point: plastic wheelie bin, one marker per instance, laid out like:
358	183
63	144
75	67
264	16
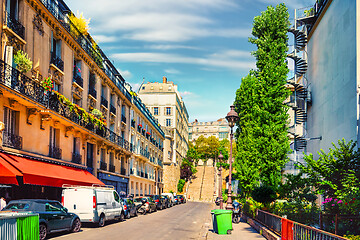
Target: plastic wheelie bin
222	223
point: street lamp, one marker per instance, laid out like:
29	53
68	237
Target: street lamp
232	117
221	157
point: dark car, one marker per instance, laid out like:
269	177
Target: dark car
53	217
167	201
181	198
176	200
129	207
160	202
149	204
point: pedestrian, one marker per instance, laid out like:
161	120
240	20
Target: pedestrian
2	203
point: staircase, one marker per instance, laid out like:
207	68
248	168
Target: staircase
201	188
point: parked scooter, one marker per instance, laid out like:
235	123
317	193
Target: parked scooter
236	212
142	208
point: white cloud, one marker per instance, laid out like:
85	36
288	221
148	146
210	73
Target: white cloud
175	58
295	4
172	71
185	93
170	47
125	74
104	39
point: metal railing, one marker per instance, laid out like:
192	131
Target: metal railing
123	171
55	152
12	140
92	92
76	158
104	102
78	79
270	220
111	168
15	25
103	166
56	60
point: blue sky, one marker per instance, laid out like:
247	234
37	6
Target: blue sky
200	45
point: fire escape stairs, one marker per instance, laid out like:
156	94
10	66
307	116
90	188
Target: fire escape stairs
300	64
300	38
299	88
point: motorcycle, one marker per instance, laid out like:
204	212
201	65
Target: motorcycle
236	212
142	209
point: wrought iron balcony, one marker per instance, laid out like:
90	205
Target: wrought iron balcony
112	109
15	25
92	92
55	152
123	118
12	140
111	168
103	166
142	174
56	60
123	171
104	102
78	79
133	123
76	158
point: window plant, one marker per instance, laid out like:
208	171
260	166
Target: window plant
22	61
47	83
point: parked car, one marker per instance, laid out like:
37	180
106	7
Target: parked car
176	200
129	207
140	205
171	196
95	204
168	203
53	217
181	198
148	202
160	202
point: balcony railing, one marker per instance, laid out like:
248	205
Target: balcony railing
103	166
104	102
15	25
111	168
142	174
55	152
92	92
12	140
123	118
76	158
123	171
146	175
22	84
133	123
132	171
56	60
78	79
112	109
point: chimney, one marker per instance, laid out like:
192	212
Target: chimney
164	79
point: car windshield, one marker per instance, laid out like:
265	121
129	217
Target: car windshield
137	200
17	206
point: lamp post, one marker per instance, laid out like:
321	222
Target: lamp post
232	117
221	157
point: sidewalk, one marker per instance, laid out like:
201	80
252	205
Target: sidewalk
241	231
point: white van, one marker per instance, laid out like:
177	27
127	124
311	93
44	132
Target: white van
95	204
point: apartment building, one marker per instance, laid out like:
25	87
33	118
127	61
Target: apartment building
67	119
165	103
326	92
219	129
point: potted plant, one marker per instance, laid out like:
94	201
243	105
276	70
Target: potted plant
97	113
47	83
22	61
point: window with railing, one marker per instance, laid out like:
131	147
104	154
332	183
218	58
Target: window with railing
12	18
77	73
92	85
11	136
54	149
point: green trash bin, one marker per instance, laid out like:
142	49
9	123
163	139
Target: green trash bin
222	219
215	229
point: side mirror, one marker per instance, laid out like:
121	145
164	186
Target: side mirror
65	210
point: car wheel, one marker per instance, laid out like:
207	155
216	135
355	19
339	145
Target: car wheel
122	217
136	214
42	231
102	220
76	226
155	209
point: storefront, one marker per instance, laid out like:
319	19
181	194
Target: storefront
31	177
120	184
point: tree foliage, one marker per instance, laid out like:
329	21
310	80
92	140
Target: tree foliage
337	173
262	141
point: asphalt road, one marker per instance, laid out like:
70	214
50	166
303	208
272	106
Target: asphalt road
183	221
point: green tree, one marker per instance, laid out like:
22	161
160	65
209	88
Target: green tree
337	173
262	141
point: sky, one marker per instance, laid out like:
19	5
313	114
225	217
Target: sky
200	45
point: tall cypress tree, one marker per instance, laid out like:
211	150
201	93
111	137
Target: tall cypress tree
262	137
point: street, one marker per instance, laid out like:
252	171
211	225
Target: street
179	222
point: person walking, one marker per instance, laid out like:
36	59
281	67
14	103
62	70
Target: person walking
2	203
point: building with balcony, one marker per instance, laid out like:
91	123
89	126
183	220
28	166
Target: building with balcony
219	129
165	103
75	130
326	82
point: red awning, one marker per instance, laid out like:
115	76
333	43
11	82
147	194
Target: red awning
48	174
8	173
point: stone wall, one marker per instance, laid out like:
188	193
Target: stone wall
171	177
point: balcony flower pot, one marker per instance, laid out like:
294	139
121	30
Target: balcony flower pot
22	61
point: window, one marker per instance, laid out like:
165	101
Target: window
53	207
54	137
168	111
223	135
77	68
156	111
116	196
56	47
76	145
102	155
12	9
11	121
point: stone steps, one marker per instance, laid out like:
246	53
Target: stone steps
202	187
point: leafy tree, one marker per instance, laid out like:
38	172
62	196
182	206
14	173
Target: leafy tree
187	169
262	138
297	189
337	173
264	194
207	147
